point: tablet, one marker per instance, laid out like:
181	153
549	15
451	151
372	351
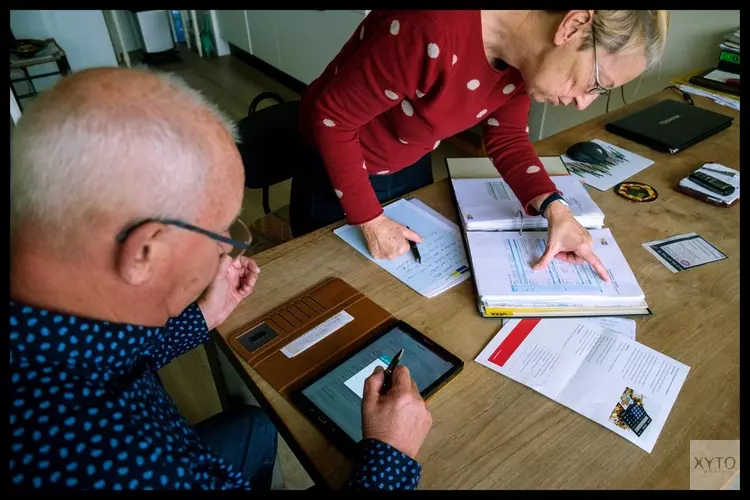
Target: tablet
333	399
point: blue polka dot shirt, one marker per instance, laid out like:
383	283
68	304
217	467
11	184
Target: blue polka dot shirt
87	410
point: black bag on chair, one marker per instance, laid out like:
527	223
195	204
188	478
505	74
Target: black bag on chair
271	143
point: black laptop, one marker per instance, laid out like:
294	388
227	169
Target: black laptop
670	126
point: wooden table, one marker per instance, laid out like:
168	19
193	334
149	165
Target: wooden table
490	432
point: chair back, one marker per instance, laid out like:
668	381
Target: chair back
271	141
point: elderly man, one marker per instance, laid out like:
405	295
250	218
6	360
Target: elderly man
125	251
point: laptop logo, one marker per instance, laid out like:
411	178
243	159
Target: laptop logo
669	120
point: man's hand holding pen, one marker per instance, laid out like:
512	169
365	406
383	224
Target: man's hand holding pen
397	416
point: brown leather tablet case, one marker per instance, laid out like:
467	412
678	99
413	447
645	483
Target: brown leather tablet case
262	342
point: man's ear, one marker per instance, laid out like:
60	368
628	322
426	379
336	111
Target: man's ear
141	254
573	26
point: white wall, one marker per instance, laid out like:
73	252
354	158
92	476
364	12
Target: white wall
299	42
233	28
81	33
15	111
131	38
692	45
221	46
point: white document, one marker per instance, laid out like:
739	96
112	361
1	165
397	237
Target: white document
717	98
323	330
444	262
591	370
732	177
683	252
619	166
356	383
721	76
490	205
502	263
623	326
432	213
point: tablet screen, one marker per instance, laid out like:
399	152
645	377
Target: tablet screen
338	394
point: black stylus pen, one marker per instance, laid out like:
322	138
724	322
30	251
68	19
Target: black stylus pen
389	372
414	249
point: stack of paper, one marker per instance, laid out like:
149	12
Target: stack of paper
602	374
507	286
444	263
721	99
490	205
726	174
732	42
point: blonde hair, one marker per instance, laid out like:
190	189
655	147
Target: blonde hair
615	30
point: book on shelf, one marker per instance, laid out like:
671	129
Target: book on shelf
733	38
729	56
728	66
731	42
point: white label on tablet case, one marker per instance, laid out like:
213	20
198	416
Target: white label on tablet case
317	334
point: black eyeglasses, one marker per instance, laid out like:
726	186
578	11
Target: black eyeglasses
240	239
599	89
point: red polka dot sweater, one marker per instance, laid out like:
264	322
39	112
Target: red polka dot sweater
404	81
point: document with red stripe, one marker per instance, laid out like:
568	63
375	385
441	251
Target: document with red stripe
596	370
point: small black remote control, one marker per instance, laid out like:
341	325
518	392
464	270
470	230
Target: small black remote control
712	183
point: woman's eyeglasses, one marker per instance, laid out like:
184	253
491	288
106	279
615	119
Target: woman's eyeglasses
598	89
239	234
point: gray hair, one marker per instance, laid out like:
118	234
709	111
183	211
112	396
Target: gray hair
72	164
616	30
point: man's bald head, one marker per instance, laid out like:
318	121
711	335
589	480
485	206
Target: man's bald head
112	146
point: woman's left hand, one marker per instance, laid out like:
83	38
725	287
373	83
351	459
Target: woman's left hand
568	241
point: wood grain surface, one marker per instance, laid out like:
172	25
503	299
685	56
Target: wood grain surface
490	432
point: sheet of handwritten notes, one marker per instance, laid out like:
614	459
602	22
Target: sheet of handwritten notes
444	263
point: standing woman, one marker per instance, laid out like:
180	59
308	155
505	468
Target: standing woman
407	79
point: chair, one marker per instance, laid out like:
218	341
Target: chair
271	143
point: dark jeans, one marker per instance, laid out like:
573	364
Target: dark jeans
314	204
246	439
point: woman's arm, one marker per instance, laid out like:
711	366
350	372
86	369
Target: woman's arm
507	141
508	145
389	65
